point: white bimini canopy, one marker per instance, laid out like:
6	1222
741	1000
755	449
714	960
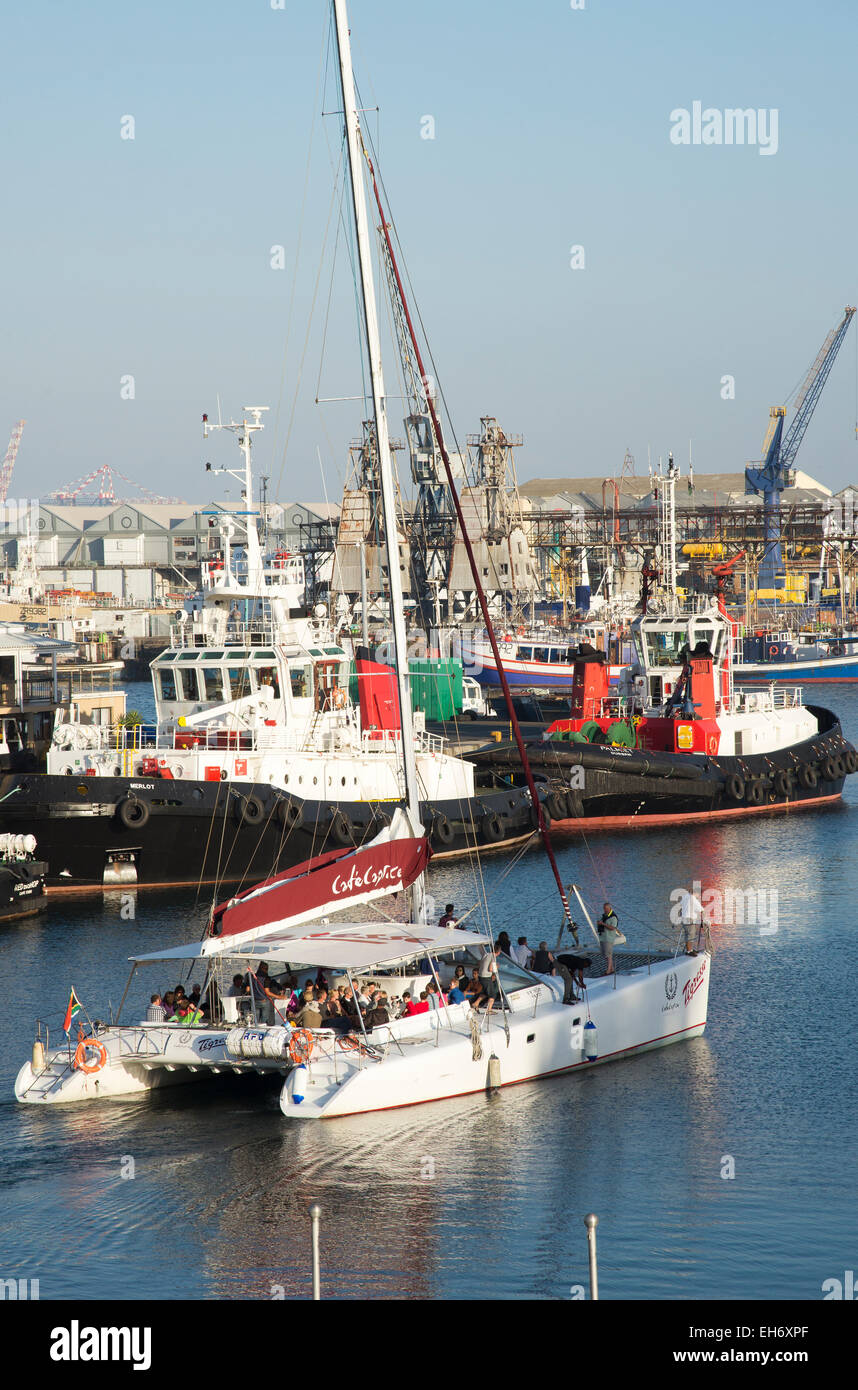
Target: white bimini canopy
340	945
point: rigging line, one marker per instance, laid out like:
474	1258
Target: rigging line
300	375
325	49
330	294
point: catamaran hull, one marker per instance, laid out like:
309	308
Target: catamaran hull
649	1008
193	833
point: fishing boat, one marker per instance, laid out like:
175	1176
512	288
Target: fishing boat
781	658
543	659
532	1025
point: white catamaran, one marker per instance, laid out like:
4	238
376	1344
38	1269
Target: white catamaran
518	1029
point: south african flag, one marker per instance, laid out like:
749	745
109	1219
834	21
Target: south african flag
72	1011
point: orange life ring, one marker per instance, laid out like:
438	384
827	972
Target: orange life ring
773	651
520	631
84	1046
301	1046
340	698
713	744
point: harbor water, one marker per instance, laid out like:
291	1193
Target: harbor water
719	1168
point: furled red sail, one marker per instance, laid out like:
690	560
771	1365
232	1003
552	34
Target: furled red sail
327	883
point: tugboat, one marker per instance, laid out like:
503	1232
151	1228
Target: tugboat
677	742
259	759
22	878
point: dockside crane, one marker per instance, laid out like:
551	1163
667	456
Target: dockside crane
9	461
769	478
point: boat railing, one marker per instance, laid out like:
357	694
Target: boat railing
765	700
232	634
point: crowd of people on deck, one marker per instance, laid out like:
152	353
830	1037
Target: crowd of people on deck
362	1006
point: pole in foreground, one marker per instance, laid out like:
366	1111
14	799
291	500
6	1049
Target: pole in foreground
591	1222
315	1216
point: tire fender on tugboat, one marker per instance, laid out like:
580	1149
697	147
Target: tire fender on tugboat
132	813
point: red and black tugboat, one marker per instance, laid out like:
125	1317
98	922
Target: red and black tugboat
677	742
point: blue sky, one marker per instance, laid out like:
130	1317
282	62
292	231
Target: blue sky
552	129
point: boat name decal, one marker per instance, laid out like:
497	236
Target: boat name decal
692	986
206	1044
369	878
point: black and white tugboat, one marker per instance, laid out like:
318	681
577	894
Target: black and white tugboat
259	759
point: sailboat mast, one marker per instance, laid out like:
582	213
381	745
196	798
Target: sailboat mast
373	345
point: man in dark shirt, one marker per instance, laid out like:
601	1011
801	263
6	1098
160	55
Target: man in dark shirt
448	920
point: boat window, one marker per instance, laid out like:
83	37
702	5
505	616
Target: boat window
187	681
213	682
237	682
707	635
262	656
511	976
168	685
301	680
557	654
266	678
540	653
187	656
663	648
525	653
333	651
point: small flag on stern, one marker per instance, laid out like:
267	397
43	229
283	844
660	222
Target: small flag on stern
72	1011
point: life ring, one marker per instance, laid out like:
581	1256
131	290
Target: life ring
808	775
712	744
341	699
301	1046
289	814
133	813
492	827
341	829
735	787
90	1045
442	830
756	792
774	651
250	810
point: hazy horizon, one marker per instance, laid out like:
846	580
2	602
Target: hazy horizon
554	128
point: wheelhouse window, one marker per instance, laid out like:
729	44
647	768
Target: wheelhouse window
187	682
237	682
301	681
663	648
213	682
267	679
525	653
168	684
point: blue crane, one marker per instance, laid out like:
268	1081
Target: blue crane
769	478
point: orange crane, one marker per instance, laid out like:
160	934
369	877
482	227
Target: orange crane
9	461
